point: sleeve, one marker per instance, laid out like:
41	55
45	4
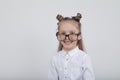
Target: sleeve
88	73
52	74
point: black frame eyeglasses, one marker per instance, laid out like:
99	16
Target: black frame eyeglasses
71	36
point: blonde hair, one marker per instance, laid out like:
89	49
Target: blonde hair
76	19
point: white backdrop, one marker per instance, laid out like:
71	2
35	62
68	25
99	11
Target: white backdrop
27	36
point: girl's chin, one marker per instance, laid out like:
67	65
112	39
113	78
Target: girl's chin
68	47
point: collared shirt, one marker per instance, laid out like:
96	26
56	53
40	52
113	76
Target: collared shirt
72	65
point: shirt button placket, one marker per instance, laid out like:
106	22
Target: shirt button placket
66	66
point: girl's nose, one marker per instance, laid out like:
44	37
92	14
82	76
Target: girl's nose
67	37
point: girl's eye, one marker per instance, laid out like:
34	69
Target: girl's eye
63	33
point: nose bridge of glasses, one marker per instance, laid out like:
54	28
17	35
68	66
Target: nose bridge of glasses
67	35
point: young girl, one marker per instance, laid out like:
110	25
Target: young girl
70	62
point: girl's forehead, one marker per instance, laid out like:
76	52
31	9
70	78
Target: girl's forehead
68	25
71	22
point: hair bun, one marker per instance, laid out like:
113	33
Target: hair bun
77	18
59	17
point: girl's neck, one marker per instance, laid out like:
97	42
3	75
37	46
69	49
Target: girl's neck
67	50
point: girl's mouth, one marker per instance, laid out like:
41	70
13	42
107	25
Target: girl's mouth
67	42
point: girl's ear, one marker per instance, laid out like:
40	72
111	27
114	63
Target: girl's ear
79	37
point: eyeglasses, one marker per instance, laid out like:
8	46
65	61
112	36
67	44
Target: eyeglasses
71	36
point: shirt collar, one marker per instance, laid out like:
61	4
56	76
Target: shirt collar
71	52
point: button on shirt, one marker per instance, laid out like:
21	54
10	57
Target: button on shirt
72	65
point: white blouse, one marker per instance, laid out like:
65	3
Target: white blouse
74	65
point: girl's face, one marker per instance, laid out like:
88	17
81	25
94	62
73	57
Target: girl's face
68	33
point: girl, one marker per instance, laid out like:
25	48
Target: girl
70	62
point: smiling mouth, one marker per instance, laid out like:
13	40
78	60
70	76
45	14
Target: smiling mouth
67	42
